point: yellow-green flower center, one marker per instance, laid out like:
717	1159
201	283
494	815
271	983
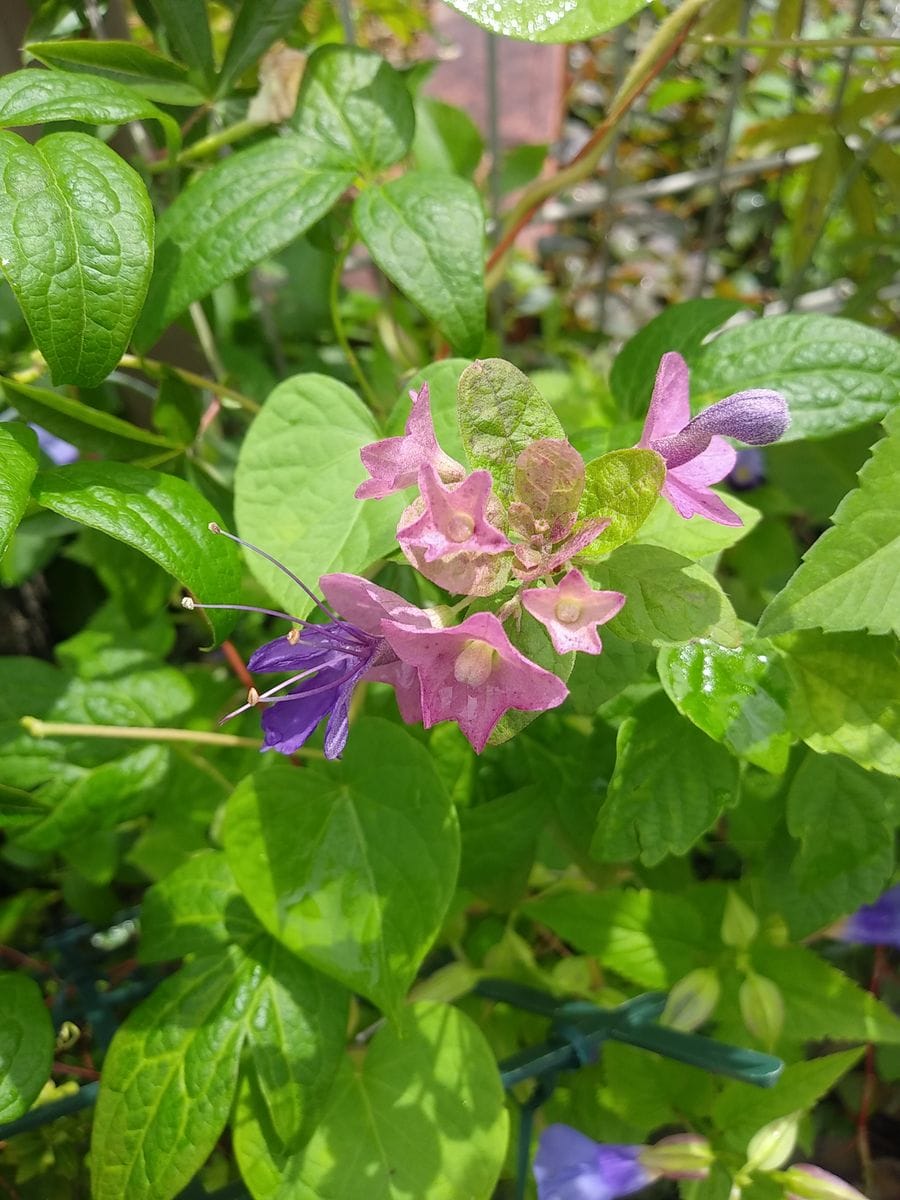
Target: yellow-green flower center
475	663
568	610
460	527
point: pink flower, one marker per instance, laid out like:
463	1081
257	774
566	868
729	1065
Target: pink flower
571	612
695	454
454	518
472	674
393	463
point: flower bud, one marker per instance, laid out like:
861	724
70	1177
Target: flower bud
803	1181
692	1000
772	1145
762	1008
682	1156
739	922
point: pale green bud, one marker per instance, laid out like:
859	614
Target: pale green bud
803	1181
692	1000
762	1008
740	924
682	1156
772	1145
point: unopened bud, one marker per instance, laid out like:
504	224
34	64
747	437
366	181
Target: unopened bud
692	1000
772	1145
762	1008
682	1156
739	922
803	1181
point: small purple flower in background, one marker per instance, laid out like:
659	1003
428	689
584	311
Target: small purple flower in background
394	463
570	1166
59	452
454	519
876	924
571	612
749	470
695	452
472	674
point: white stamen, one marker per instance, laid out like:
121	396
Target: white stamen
188	603
252	697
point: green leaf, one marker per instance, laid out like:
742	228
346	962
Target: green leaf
835	374
598	678
425	230
422	1116
243	209
157	1117
855	806
159	515
442	378
670	599
844	696
740	1111
296	1028
375	839
197	909
446	138
259	23
670	785
76	244
354	109
680	327
500	413
696	538
99	800
18	467
151	75
535	21
498	845
88	428
650	938
187	31
306	441
737	696
624	486
26	1044
530	639
35	97
850	578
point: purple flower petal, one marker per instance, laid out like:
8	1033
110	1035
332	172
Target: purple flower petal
876	924
570	1166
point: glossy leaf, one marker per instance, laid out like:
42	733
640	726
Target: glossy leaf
375	837
18	467
354	109
258	24
87	428
680	327
425	230
157	1117
624	487
237	213
835	374
306	441
150	74
736	695
535	21
670	599
670	785
186	25
446	138
76	243
159	515
850	577
422	1116
35	97
26	1044
844	696
500	413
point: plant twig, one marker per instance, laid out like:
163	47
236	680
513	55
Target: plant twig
151	366
140	733
341	333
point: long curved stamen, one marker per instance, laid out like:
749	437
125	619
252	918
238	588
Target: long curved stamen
190	604
214	528
254	697
326	687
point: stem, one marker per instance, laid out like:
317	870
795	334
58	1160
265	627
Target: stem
61	1068
138	733
205	147
752	43
151	366
341	334
650	62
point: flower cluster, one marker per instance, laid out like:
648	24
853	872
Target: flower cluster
505	558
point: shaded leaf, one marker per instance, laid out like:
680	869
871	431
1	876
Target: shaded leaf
18	467
26	1044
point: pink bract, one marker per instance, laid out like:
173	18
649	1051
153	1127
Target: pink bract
454	518
393	463
571	612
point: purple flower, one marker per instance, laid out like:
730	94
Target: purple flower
58	451
749	470
570	1166
876	924
472	674
571	612
695	452
394	463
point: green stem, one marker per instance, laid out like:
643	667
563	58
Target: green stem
151	366
340	332
205	147
799	44
41	729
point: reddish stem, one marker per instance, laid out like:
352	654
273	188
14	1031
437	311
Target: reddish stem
870	1079
237	664
61	1068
